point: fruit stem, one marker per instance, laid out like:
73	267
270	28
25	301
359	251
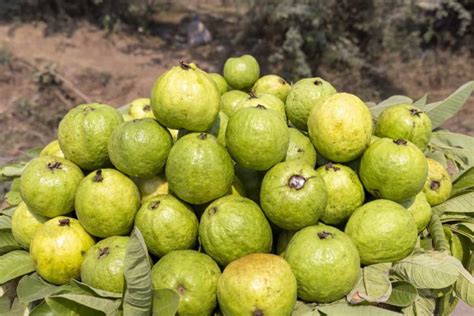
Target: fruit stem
103	252
202	136
154	205
329	165
317	82
54	165
415	112
98	176
400	142
261	107
434	185
324	235
147	108
213	211
252	95
64	222
296	182
184	65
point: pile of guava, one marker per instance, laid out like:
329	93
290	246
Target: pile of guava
240	194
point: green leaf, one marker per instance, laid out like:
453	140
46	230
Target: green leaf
93	291
440	112
138	294
393	100
464	184
7	242
354	310
8	211
65	307
18	309
429	270
14	264
436	230
305	309
403	294
376	282
421	102
32	288
42	309
5	222
11	171
33	152
455	217
465	290
13	198
107	306
459	204
423	306
165	302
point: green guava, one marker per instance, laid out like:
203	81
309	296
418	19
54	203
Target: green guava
272	84
166	224
219	127
106	203
185	97
420	209
52	149
140	108
304	95
25	224
139	148
345	192
127	117
407	122
383	231
267	100
222	85
199	170
257	284
393	169
241	72
58	249
193	276
341	127
152	186
283	240
251	181
48	185
103	264
300	148
325	262
229	101
293	195
232	227
257	138
438	186
84	133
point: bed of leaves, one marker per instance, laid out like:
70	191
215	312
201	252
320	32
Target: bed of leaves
430	281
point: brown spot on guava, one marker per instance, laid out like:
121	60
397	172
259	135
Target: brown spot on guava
252	95
54	165
212	211
83	253
154	205
400	142
317	82
258	312
64	222
261	107
103	252
324	235
300	150
415	112
202	136
296	182
98	176
283	82
434	185
181	289
330	166
184	65
147	108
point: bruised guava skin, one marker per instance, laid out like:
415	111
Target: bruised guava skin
393	169
407	122
383	231
52	149
251	181
257	284
58	249
199	170
420	209
48	185
241	72
230	100
300	148
152	186
325	262
140	108
193	276
103	264
221	84
283	240
293	195
438	186
257	138
345	192
341	127
232	227
25	224
166	224
106	203
139	148
267	100
185	97
272	84
304	95
84	133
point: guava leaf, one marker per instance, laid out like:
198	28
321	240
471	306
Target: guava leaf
464	184
423	306
454	217
4	305
13	198
11	171
42	309
393	100
354	310
5	223
32	288
403	294
65	307
8	211
465	290
435	228
376	282
459	204
305	309
138	294
421	102
14	264
165	302
107	306
7	242
33	152
93	291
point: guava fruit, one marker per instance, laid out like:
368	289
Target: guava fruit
407	122
340	127
103	264
229	101
140	108
267	100
237	188
185	97
257	284
199	170
293	195
139	148
251	181
438	186
257	138
420	209
304	95
232	227
383	231
221	84
241	72
300	148
166	224
219	127
25	224
48	185
52	149
325	262
272	84
193	276
58	249
84	133
106	203
152	186
393	169
345	192
283	240
127	117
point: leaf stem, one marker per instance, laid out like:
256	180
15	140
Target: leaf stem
437	233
